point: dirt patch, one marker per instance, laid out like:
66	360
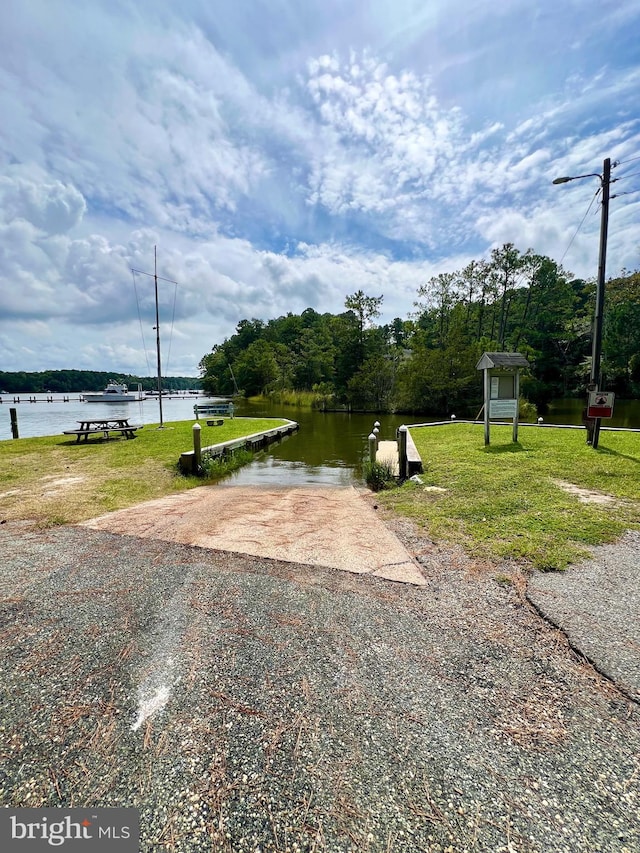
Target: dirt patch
587	496
10	493
57	485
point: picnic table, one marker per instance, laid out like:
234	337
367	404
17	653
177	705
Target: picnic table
106	426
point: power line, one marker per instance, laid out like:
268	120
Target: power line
629	192
595	195
630	160
630	175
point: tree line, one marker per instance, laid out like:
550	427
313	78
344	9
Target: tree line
77	381
514	301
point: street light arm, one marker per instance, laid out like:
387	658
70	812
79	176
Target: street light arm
576	178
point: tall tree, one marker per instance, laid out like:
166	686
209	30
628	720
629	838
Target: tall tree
440	293
365	309
506	269
470	283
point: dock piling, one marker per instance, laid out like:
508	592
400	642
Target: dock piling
402	451
373	447
14	422
197	447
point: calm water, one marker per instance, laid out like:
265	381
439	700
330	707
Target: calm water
328	449
43	418
626	413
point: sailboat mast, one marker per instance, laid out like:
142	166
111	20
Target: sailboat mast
155	279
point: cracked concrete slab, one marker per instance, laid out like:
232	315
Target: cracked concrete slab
596	603
324	526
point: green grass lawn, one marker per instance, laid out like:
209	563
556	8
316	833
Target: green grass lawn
54	480
505	501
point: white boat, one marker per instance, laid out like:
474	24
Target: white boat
115	392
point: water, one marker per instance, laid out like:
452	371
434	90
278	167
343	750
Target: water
626	413
328	449
44	418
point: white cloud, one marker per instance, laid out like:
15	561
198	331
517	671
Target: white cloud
55	208
384	145
383	136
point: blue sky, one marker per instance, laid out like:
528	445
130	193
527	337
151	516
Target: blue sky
282	155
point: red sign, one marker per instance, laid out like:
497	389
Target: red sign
600	404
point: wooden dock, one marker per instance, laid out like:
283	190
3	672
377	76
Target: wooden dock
388	453
254	442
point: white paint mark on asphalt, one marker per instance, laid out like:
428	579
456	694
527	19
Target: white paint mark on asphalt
164	662
151	704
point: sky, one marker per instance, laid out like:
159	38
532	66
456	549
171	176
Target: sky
282	155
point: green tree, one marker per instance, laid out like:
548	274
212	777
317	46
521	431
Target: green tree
257	368
216	373
365	309
506	270
440	293
372	386
621	339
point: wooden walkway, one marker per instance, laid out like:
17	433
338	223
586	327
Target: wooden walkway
387	454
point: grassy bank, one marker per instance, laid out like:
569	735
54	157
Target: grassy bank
54	480
512	500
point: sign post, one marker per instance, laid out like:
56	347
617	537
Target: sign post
600	404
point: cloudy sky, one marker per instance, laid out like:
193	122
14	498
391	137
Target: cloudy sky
283	154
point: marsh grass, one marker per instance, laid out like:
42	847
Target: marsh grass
296	399
504	501
378	475
54	480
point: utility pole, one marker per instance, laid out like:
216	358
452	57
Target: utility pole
593	434
596	352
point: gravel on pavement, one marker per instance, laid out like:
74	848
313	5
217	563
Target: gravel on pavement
251	704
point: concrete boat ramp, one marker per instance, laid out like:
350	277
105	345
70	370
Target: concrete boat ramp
329	526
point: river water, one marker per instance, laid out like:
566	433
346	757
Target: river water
328	449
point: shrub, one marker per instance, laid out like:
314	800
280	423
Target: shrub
214	467
527	411
378	475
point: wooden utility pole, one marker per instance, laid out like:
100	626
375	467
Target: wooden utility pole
596	351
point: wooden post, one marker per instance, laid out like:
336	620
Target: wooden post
14	422
373	447
486	406
402	452
197	449
516	394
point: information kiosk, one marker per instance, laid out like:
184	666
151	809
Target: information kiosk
501	387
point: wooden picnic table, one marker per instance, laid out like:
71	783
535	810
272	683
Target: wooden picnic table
106	426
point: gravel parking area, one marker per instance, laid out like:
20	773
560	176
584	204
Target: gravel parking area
250	704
